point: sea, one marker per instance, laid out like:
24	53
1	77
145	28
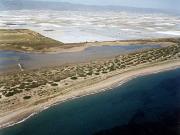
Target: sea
147	105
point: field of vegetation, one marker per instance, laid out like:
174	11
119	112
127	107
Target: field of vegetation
25	40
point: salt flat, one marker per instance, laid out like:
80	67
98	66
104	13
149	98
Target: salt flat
78	26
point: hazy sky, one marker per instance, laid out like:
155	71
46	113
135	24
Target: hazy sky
159	4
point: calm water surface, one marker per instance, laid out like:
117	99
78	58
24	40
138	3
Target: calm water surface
10	59
144	100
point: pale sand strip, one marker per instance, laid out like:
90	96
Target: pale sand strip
117	79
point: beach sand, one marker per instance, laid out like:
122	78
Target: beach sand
85	88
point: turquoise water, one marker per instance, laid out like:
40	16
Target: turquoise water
149	100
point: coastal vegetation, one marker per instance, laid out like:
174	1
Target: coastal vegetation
27	97
33	87
15	83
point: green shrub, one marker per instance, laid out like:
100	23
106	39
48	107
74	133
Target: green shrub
9	94
96	73
89	73
57	79
104	72
74	78
54	84
27	97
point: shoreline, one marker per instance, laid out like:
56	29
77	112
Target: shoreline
115	80
78	47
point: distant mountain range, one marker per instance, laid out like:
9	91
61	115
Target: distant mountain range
43	5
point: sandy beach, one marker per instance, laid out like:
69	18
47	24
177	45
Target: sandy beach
85	88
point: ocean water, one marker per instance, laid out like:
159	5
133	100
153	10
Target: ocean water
144	106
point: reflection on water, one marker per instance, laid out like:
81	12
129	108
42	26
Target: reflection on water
10	59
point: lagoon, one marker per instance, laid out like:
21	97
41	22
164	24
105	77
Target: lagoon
9	59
